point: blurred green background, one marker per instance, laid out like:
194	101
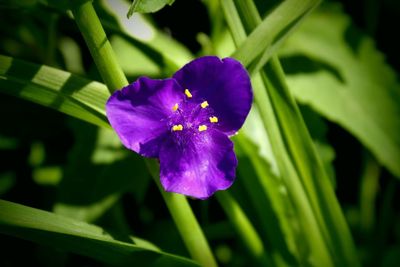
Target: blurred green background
54	162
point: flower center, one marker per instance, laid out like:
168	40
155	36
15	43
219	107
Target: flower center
190	115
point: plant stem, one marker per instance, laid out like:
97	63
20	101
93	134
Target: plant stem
296	194
100	48
112	74
273	208
300	167
275	27
187	224
244	228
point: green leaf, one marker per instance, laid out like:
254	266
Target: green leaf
268	195
147	6
316	206
126	53
263	40
50	87
81	238
318	130
163	50
243	227
339	72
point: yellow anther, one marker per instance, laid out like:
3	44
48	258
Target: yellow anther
187	93
202	128
204	104
175	107
177	127
213	119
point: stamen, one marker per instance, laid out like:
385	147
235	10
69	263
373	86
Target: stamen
187	93
175	107
202	128
177	127
213	119
204	104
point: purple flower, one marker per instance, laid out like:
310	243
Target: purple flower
185	122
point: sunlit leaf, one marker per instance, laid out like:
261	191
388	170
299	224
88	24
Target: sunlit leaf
268	195
339	72
133	61
98	166
263	40
147	6
81	238
54	88
144	36
314	201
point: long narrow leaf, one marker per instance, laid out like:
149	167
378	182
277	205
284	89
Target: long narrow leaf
300	166
316	249
50	87
270	33
81	238
163	50
147	6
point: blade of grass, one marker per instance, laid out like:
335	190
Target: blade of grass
315	243
305	177
57	89
274	209
244	228
52	80
85	239
272	30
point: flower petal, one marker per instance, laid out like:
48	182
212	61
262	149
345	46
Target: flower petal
224	84
199	165
139	112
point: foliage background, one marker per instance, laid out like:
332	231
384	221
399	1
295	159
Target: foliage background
54	162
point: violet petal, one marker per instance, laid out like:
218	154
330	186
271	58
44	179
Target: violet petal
224	84
139	113
197	165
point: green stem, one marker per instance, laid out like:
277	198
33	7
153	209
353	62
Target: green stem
232	209
187	224
112	74
100	48
273	30
272	207
309	188
298	197
244	228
